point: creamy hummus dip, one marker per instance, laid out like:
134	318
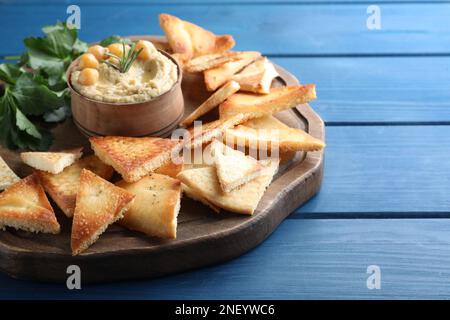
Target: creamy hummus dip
143	81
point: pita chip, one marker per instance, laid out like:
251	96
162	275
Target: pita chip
244	200
53	162
63	187
25	206
99	204
155	209
278	99
188	40
132	157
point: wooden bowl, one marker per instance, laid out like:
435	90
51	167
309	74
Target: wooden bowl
155	117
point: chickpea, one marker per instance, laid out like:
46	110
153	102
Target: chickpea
147	49
88	60
98	51
88	77
117	49
145	54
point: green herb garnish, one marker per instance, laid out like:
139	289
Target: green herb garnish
35	89
124	63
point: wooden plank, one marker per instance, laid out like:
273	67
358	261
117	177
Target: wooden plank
384	171
286	29
303	259
382	89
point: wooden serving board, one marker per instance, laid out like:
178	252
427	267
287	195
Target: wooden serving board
203	237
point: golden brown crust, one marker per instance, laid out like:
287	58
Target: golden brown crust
268	132
63	187
278	99
155	208
213	101
206	133
209	61
189	40
216	77
99	204
24	205
172	168
132	157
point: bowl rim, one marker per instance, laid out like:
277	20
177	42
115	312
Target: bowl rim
125	104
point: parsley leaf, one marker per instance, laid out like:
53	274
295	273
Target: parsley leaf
36	86
34	97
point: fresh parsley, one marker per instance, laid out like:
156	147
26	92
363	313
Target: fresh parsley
35	89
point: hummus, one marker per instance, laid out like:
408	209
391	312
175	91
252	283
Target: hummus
143	81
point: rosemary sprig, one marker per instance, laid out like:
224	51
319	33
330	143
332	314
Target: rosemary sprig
127	59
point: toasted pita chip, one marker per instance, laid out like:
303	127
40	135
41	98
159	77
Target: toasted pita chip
132	157
155	209
63	187
278	99
203	134
99	204
268	132
213	101
194	196
216	77
53	162
189	40
7	176
257	77
172	168
244	200
209	61
25	206
234	168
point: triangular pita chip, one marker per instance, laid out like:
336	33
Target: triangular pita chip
268	132
189	40
99	204
132	157
209	61
155	209
203	134
25	206
216	77
7	176
244	200
63	187
278	99
194	196
53	162
234	168
257	77
213	101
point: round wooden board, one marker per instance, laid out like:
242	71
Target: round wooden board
203	237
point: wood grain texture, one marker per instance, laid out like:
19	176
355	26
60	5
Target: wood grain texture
203	237
287	29
376	90
302	259
384	171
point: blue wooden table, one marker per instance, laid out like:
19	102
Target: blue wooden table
385	97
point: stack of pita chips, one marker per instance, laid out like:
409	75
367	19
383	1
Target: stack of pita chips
235	182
